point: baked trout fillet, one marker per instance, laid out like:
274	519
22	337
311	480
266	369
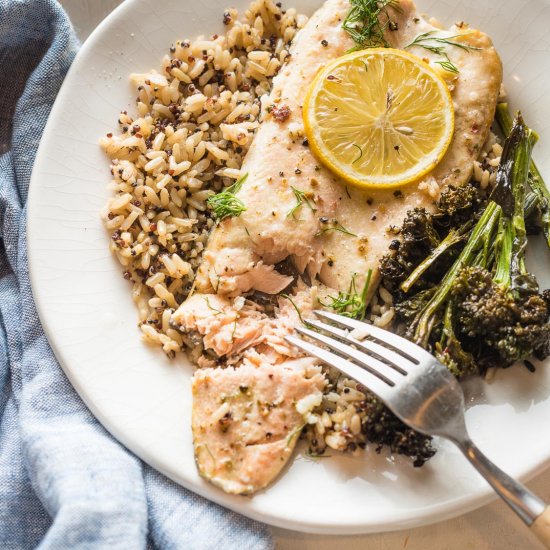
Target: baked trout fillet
240	249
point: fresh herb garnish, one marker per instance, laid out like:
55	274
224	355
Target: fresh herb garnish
314	456
225	204
218	280
294	433
360	153
368	20
426	40
301	198
217	311
302	320
351	303
337	226
448	65
234	330
209	452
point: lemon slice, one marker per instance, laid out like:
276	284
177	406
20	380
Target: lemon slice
379	117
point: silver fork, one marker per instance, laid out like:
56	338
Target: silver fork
419	390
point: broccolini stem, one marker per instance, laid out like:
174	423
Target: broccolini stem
454	237
509	192
503	244
499	234
482	231
504	119
364	293
532	202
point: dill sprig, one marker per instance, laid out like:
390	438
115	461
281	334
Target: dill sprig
208	451
351	303
225	204
314	456
368	20
234	330
217	311
336	226
302	320
218	281
294	433
301	199
426	40
358	158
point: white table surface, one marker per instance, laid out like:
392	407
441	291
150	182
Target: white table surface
493	527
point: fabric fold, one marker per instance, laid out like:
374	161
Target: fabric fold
64	481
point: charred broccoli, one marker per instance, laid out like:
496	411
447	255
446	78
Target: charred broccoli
486	310
427	247
505	326
460	284
458	205
383	428
536	183
418	239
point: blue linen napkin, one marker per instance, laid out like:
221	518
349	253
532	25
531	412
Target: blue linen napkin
64	481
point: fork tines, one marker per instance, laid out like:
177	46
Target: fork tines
377	362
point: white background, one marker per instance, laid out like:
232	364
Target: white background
491	527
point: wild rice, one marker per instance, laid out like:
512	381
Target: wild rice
193	124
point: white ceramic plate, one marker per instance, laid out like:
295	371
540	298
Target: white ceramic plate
143	399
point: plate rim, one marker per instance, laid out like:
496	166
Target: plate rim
475	499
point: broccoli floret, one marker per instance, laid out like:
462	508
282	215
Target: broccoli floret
383	428
449	349
418	239
458	205
521	342
504	325
485	309
482	306
394	269
418	231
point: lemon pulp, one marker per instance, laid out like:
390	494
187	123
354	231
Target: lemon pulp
379	117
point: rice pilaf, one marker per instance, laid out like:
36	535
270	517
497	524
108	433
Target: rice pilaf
195	121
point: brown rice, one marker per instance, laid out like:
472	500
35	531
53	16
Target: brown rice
193	124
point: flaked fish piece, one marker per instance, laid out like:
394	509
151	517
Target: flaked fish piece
349	229
227	327
241	271
246	420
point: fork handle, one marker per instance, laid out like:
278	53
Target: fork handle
529	507
541	527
